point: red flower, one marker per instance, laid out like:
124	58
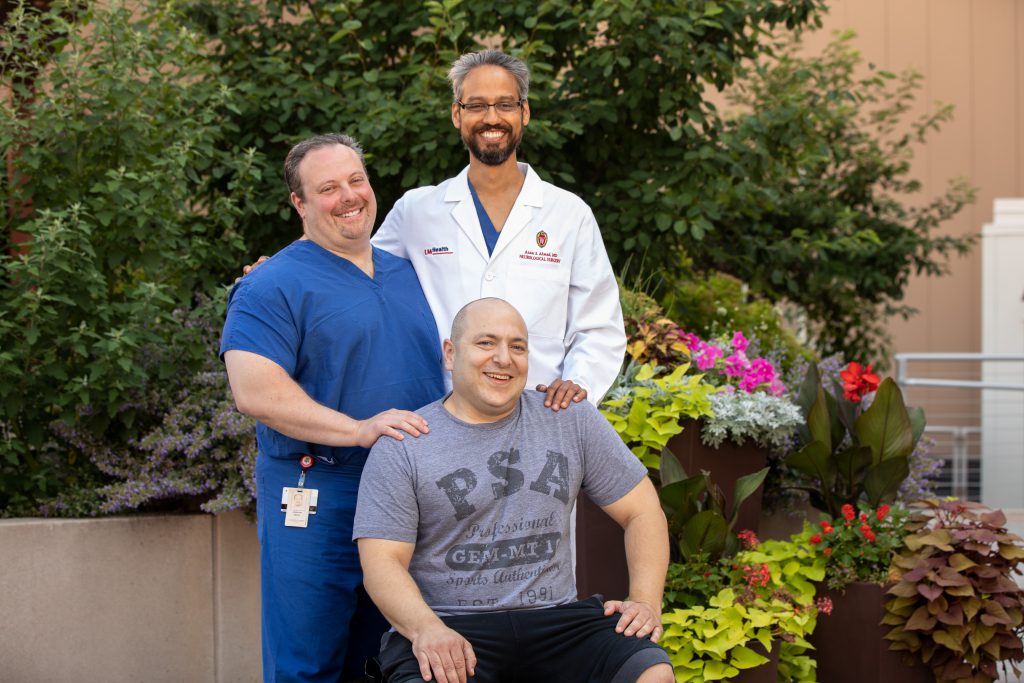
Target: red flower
815	539
707	574
863	516
749	538
826	552
848	512
868	533
826	527
883	511
858	381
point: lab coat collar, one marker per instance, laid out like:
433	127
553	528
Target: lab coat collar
531	196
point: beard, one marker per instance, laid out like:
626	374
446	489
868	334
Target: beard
492	155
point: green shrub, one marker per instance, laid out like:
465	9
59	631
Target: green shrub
112	134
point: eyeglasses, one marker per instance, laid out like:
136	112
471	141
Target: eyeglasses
505	107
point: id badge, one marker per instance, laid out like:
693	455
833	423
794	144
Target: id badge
298	504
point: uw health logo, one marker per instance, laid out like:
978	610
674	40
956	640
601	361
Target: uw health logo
437	251
542	239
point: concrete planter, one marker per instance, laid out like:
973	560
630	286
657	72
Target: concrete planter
147	598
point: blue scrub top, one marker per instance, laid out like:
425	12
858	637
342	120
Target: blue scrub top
486	224
357	344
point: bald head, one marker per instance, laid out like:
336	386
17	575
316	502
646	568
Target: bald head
479	310
488	356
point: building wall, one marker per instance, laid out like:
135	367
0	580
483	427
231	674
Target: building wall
970	56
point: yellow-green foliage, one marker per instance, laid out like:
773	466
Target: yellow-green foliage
716	642
650	414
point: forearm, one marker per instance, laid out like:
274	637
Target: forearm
647	554
290	411
396	595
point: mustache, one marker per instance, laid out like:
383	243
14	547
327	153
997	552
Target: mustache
484	127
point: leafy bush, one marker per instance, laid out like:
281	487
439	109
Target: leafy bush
955	605
192	449
815	211
112	135
618	89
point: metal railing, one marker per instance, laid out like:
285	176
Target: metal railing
961	443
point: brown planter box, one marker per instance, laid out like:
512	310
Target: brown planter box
727	463
767	672
850	643
600	553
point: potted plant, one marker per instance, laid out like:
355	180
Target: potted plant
857	548
750	414
744	617
734	608
955	605
647	407
850	452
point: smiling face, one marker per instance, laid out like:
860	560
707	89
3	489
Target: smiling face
337	205
491	137
488	360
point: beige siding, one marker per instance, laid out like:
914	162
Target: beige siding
969	54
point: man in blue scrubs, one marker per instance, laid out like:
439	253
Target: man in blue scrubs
329	346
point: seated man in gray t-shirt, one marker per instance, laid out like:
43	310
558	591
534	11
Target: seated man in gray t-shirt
463	533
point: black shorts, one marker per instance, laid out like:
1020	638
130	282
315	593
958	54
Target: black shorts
573	642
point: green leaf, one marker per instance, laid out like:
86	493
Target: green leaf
745	487
819	421
670	470
815	461
882	481
885	425
704	533
745	658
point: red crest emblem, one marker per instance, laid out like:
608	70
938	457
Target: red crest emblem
542	239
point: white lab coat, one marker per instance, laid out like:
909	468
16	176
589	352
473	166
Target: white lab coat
549	262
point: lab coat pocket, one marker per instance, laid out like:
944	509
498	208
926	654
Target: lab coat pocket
540	292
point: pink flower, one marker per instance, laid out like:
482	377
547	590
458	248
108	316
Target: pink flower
824	605
736	365
739	342
706	355
760	372
777	388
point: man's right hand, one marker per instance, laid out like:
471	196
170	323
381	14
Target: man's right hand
444	652
249	268
389	423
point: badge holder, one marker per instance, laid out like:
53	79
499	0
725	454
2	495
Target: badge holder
299	503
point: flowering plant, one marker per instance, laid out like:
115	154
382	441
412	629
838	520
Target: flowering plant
858	545
752	404
725	363
761	598
850	453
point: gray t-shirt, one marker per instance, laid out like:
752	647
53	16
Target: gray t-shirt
487	505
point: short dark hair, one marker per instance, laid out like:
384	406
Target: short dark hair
299	152
471	60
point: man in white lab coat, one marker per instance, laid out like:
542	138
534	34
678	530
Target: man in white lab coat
498	230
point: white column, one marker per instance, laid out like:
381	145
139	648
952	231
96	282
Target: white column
1002	331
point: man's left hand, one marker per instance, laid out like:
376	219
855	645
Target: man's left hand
638	619
562	393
